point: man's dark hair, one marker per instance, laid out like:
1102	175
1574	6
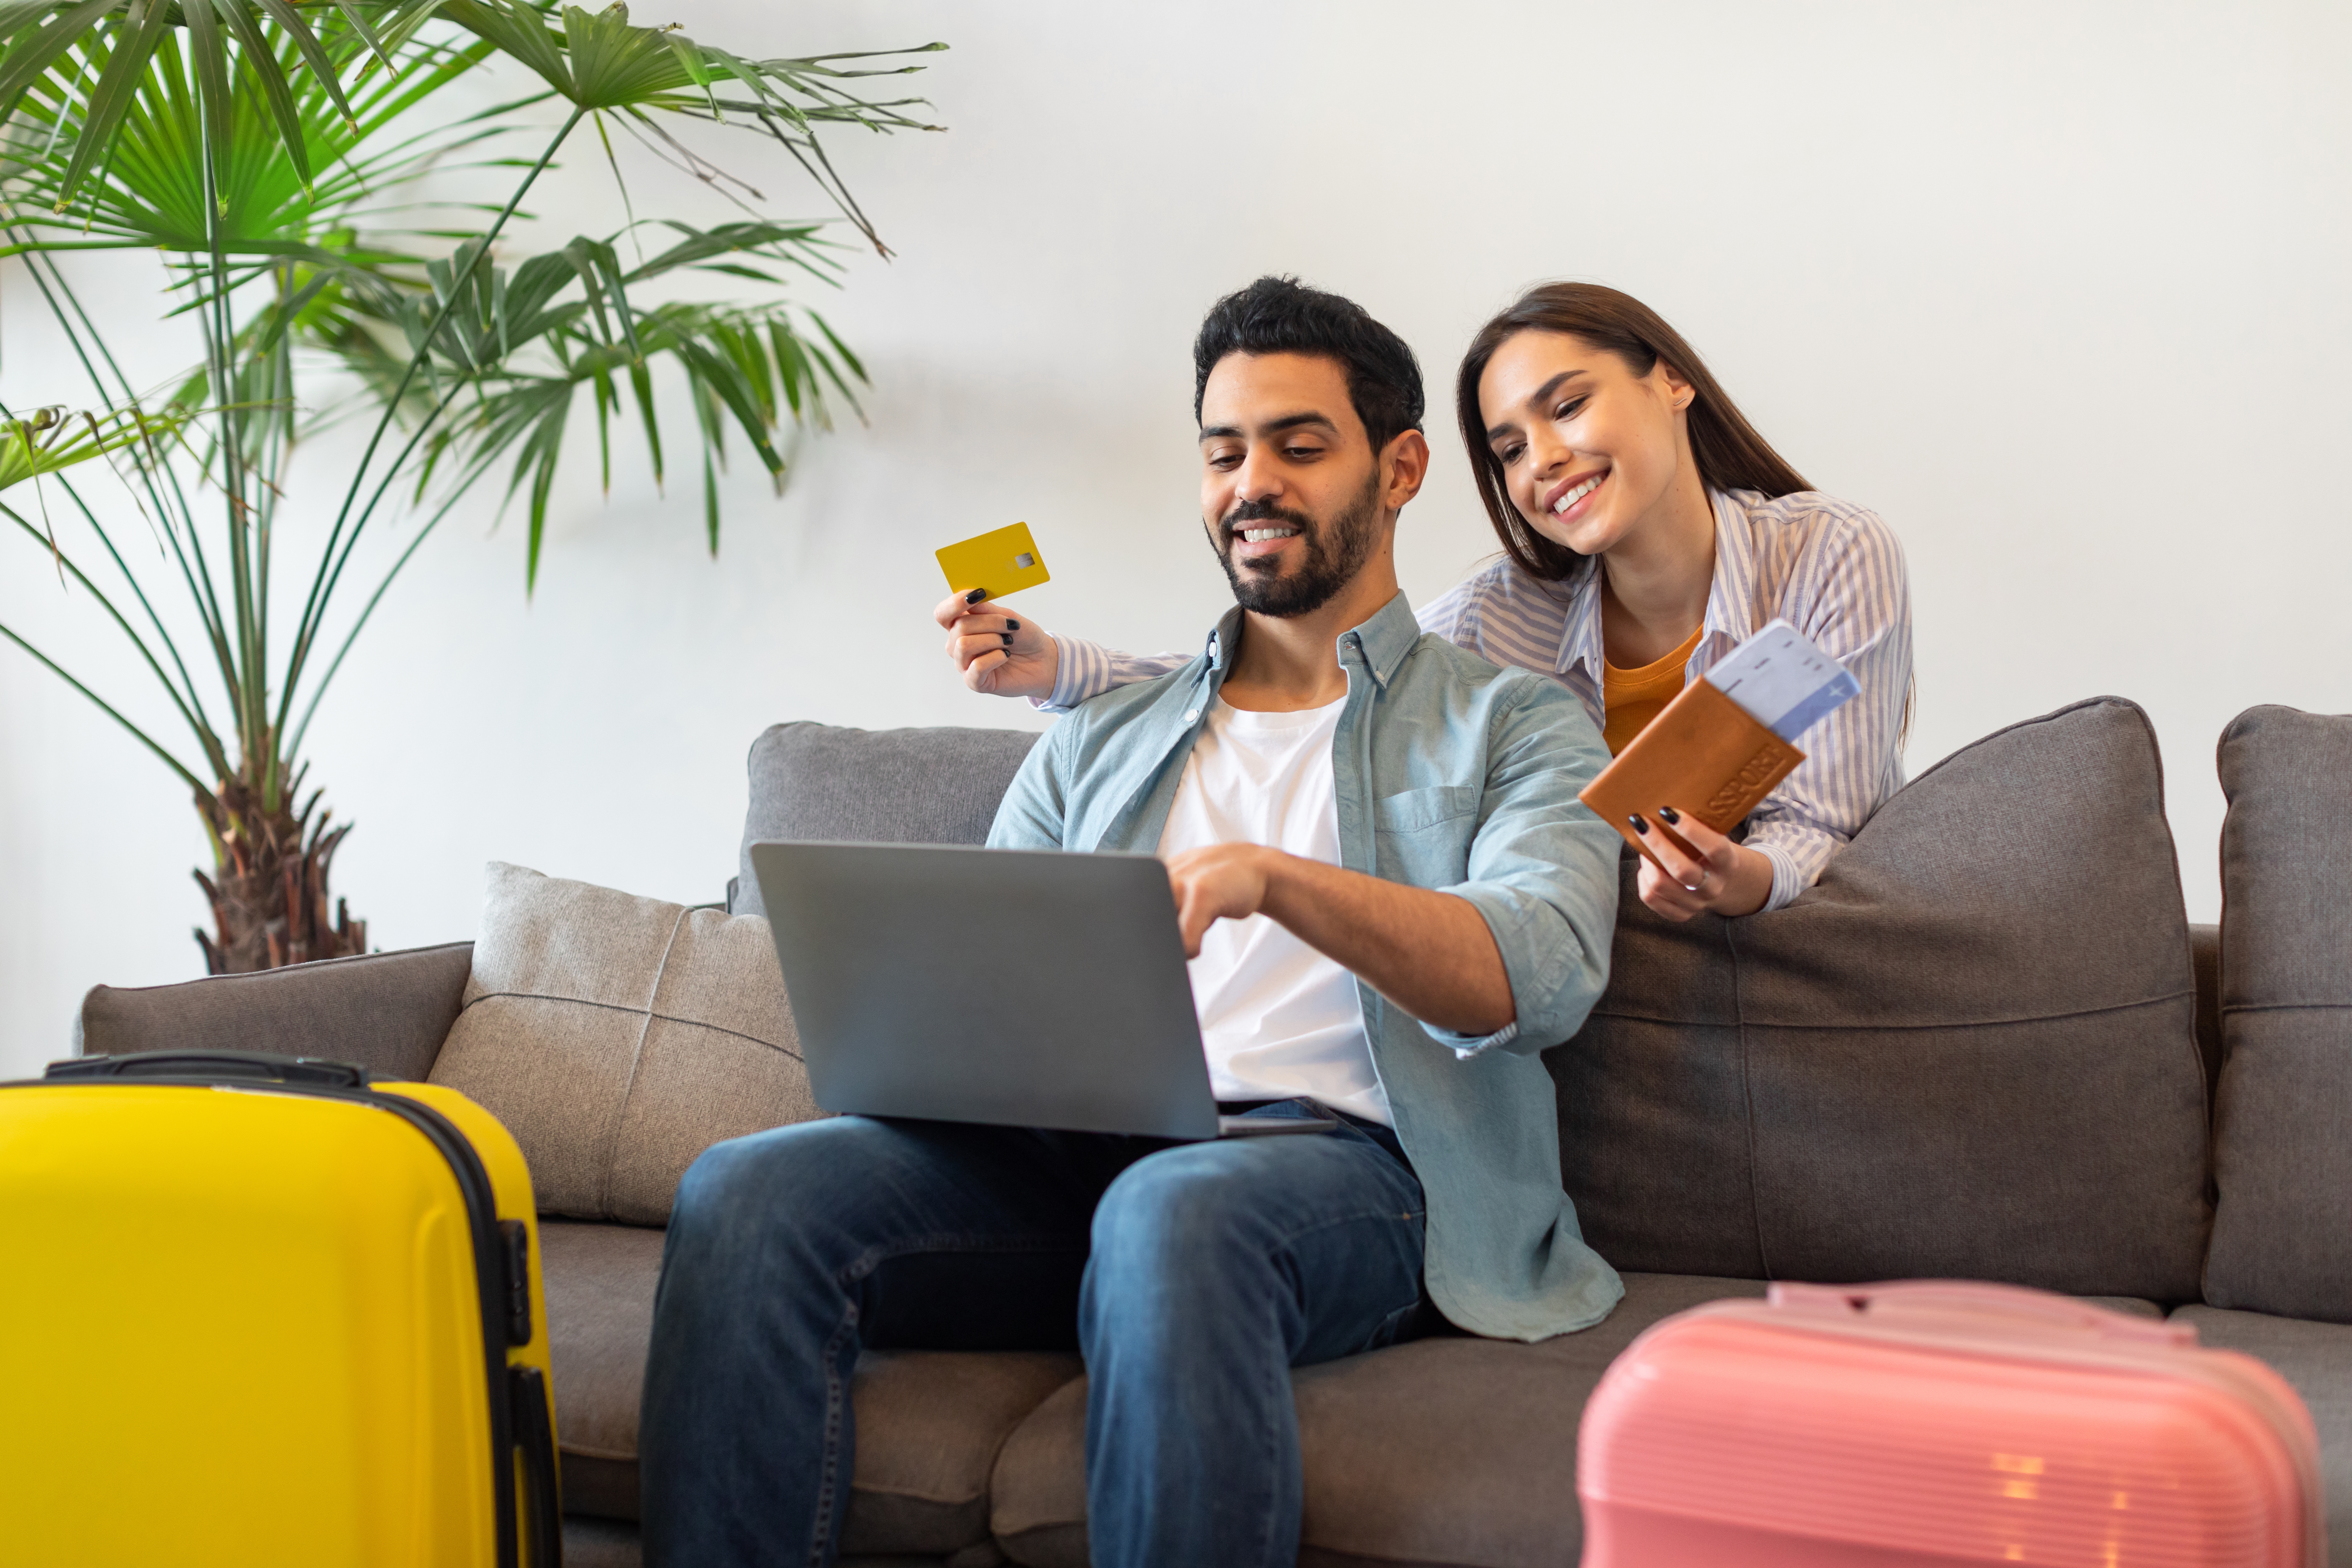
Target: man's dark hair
1284	316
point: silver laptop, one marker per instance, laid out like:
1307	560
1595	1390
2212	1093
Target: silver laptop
1019	987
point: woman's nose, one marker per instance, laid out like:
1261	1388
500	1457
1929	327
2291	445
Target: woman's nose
1547	454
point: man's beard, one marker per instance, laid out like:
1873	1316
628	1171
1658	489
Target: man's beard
1333	554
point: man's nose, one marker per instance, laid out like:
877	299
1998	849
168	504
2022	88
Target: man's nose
1258	478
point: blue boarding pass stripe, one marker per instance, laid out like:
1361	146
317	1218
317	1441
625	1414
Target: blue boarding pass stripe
1826	699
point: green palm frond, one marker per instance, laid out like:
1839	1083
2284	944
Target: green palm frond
51	441
272	152
512	351
150	191
105	52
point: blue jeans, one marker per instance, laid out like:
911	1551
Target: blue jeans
1191	1277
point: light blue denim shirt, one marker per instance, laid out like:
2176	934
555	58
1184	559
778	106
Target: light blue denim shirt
1452	775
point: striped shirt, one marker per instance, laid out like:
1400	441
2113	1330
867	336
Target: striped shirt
1833	570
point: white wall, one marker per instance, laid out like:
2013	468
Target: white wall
2059	289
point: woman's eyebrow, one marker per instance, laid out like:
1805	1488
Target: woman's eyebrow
1541	395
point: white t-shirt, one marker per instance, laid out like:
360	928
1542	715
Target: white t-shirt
1279	1018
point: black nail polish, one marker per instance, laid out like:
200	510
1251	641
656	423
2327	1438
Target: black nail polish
1640	826
1007	636
975	596
1012	625
1668	815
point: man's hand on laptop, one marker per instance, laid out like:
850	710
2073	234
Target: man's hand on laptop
999	654
1428	953
1222	882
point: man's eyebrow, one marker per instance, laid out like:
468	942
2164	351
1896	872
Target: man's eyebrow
1273	427
1497	432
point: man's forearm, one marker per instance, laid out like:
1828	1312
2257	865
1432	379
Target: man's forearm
1429	954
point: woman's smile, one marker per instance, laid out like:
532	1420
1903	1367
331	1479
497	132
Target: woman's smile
1568	498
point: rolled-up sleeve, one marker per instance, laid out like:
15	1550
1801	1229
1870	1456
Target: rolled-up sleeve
1089	669
1542	870
1860	615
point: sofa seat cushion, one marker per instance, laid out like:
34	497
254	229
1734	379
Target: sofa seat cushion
873	787
1931	1065
930	1422
1447	1452
2317	1358
617	1037
600	1282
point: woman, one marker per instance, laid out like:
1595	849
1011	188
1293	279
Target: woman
1647	531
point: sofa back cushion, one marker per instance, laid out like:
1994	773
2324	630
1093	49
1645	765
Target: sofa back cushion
874	786
617	1037
1969	1050
2282	1119
386	1011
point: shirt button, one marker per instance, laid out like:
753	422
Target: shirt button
1190	714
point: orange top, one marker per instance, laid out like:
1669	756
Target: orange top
1631	698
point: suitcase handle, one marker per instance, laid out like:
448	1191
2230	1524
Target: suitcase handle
2013	1302
215	1065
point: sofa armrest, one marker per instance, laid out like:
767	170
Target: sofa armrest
386	1011
2205	958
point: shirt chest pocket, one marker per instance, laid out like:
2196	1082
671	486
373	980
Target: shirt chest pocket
1424	834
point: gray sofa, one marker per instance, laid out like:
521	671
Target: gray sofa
1987	1045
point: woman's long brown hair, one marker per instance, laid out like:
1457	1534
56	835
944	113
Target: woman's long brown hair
1731	455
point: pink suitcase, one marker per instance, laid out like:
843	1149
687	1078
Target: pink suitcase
1928	1423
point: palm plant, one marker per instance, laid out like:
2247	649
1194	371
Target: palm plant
275	154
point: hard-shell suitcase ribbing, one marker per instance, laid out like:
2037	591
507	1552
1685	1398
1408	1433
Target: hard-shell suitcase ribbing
261	1311
1938	1424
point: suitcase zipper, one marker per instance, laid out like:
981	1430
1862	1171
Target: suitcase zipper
493	1262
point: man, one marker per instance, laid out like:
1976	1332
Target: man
1392	898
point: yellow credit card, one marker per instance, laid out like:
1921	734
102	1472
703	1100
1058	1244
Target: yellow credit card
1003	563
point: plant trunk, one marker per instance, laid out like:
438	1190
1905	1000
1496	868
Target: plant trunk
268	887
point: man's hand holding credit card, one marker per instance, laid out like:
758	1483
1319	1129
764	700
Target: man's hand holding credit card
999	654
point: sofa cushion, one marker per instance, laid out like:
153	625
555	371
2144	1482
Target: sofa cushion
598	1543
1969	1051
387	1011
600	1282
930	1422
2283	1123
1451	1450
617	1037
874	786
2317	1358
1444	1451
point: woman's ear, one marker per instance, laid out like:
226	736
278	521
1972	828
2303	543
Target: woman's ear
1680	392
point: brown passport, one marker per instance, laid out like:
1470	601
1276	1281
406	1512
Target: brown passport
1703	755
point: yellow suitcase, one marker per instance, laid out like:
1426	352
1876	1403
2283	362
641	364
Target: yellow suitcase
256	1311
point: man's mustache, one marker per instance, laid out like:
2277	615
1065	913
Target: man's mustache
1251	513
